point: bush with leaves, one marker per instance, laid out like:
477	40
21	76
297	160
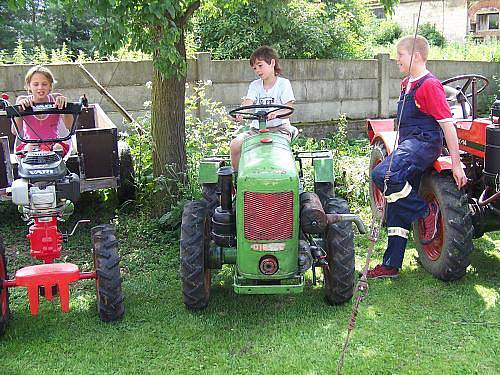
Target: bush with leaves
432	34
387	32
296	28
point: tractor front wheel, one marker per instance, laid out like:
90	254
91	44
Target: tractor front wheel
4	292
447	256
194	247
339	241
107	266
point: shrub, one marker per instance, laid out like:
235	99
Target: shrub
434	36
296	28
387	32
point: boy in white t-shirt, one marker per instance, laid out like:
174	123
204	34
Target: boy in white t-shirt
269	89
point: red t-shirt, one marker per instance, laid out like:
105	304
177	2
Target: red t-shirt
430	98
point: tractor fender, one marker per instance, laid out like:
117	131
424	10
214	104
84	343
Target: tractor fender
382	131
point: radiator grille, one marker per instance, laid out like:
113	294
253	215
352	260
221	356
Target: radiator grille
268	216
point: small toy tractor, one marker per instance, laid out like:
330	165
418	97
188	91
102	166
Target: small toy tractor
45	192
463	214
261	222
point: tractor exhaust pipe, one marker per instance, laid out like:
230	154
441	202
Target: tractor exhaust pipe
314	220
335	218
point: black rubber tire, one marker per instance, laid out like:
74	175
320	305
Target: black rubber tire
324	190
378	153
339	243
447	257
4	292
126	190
211	196
194	246
108	281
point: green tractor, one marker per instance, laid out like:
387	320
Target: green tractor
260	221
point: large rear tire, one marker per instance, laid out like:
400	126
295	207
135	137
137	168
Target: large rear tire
378	202
108	281
339	242
447	256
194	247
4	292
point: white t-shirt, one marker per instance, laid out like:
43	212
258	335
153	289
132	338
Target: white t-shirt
280	93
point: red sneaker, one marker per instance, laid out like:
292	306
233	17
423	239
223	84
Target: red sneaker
428	226
382	271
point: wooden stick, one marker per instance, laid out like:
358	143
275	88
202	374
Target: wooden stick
103	91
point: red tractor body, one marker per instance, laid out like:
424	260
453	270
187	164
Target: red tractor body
467	213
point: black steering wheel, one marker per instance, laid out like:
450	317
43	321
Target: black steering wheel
258	111
461	92
467	78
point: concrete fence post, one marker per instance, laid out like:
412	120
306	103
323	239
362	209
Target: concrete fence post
383	85
203	73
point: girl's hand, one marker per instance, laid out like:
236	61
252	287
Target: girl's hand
60	102
24	103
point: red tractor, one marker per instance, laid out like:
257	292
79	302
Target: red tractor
463	214
44	189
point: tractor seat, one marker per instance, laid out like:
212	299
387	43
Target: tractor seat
46	275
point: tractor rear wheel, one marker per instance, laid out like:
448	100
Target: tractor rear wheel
194	247
126	191
339	272
377	199
107	266
4	292
447	256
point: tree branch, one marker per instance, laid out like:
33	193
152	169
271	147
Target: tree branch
188	13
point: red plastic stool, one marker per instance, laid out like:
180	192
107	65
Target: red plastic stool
46	275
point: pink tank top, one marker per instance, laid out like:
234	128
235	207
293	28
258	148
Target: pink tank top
41	126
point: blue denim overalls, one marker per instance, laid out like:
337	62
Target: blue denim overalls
420	144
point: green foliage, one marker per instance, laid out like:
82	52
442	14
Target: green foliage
208	136
432	34
19	56
351	159
46	22
387	31
470	50
296	28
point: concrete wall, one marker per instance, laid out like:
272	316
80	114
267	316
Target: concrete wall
323	88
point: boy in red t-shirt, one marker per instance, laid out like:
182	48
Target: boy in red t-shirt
424	117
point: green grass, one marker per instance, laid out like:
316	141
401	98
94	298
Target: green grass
412	325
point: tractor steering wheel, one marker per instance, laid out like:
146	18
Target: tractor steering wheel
258	111
468	78
461	93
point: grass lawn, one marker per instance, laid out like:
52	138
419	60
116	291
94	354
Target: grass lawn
411	325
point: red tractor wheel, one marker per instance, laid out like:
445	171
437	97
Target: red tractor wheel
377	199
4	292
194	246
447	256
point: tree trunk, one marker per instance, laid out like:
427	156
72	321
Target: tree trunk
168	132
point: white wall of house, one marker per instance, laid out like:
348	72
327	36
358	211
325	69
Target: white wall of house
449	16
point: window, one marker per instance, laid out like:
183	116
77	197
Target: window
487	21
